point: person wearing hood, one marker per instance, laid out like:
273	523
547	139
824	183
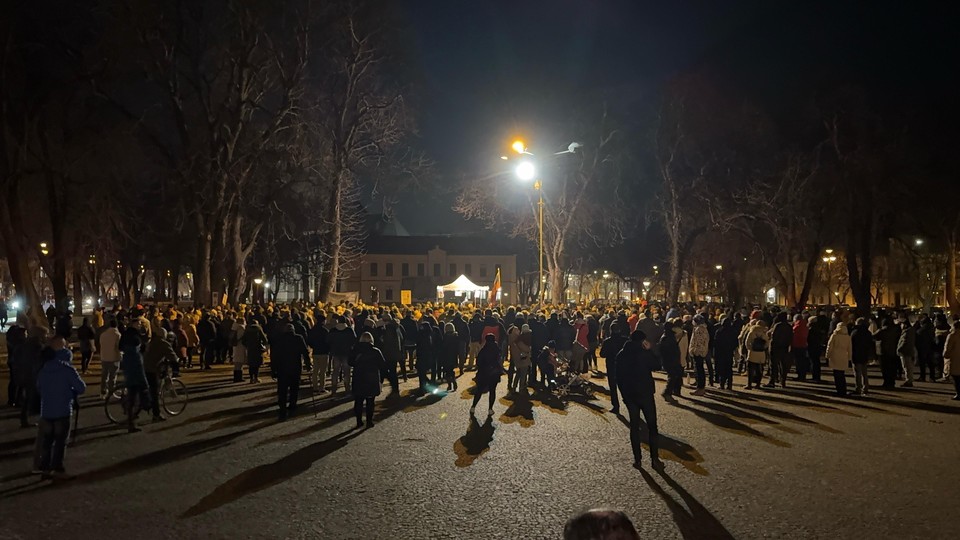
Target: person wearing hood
839	355
255	342
724	347
341	341
650	328
368	364
699	346
951	353
58	384
670	355
757	344
489	371
288	355
449	356
609	350
635	366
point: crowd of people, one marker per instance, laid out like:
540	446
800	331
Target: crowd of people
364	347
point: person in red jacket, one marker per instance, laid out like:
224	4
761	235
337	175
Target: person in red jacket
799	346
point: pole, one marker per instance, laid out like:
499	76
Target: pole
540	231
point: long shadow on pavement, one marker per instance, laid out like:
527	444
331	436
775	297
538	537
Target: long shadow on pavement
265	476
694	521
823	398
884	400
670	449
818	406
475	442
776	413
745	416
732	426
519	409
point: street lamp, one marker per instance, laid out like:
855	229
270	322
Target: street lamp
43	249
918	242
829	259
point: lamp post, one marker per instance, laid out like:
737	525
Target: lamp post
256	282
646	290
830	258
719	268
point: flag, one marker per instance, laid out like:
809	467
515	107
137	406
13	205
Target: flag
495	288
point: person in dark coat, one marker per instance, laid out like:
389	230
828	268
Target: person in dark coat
926	341
724	346
489	371
635	366
367	363
207	333
609	350
65	326
425	349
392	348
29	359
670	356
86	336
463	332
288	355
16	337
889	336
256	343
317	339
863	350
450	355
781	337
538	340
410	331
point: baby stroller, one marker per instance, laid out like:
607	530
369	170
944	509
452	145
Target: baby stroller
569	377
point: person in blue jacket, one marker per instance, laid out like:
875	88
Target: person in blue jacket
58	384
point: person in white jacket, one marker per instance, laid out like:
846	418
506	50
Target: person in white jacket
239	349
699	346
839	355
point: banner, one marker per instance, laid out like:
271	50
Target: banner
406	297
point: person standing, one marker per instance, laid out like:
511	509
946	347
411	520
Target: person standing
449	356
58	384
609	350
951	352
889	336
925	345
392	340
16	337
476	334
670	355
341	341
239	350
489	371
288	355
839	355
109	358
424	352
635	366
367	362
463	331
907	350
757	343
410	332
798	347
28	362
207	336
255	342
317	339
781	336
523	362
699	346
159	351
193	340
816	343
134	375
862	351
724	346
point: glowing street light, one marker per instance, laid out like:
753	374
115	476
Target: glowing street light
918	242
526	171
719	267
519	147
258	281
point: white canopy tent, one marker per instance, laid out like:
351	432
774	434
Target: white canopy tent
463	290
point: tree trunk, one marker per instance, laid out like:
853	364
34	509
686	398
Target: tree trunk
328	279
78	299
202	294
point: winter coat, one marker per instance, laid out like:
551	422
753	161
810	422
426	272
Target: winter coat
236	341
409	325
683	343
635	367
489	367
907	344
110	345
524	346
839	349
752	333
58	383
889	337
317	339
86	336
725	342
392	342
565	336
288	353
582	332
700	341
424	340
951	351
513	335
670	354
476	329
650	327
862	347
190	330
158	350
450	351
367	363
926	340
341	340
800	334
781	337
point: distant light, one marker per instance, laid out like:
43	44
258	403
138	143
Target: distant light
646	284
526	171
311	291
88	301
719	267
258	281
505	158
918	241
266	285
149	287
655	267
828	251
15	305
518	146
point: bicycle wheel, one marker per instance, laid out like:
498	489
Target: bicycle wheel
114	405
173	396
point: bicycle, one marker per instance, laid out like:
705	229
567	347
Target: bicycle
172	394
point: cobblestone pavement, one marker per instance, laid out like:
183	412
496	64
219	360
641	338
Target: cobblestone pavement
785	463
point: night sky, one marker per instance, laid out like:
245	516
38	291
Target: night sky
487	71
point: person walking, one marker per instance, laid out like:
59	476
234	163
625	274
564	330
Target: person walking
609	350
951	353
862	351
699	346
58	384
635	366
367	362
288	355
86	337
839	355
489	371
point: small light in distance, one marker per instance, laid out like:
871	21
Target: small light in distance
526	171
518	146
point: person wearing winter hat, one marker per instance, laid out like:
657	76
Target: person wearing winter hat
58	384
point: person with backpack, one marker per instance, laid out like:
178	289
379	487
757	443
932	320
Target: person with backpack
757	344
